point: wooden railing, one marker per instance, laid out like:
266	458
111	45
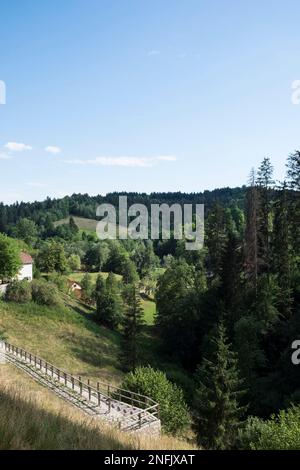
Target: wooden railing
139	408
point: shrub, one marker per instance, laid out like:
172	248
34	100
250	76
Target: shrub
45	293
280	432
59	280
174	413
18	291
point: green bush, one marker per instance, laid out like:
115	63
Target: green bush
174	413
18	291
45	293
280	432
59	280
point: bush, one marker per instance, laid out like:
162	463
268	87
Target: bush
280	432
18	291
45	293
59	280
174	413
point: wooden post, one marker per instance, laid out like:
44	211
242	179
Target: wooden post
34	361
72	379
65	378
140	420
109	405
89	389
99	399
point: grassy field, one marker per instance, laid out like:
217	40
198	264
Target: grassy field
77	276
36	419
149	311
147	304
63	336
81	222
84	224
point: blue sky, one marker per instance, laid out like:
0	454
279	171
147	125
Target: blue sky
137	95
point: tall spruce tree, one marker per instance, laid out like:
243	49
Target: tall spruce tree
251	255
265	184
293	179
217	408
132	325
282	251
230	285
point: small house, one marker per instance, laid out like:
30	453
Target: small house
26	271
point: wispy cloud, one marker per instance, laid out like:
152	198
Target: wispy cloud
4	156
132	162
36	185
17	146
53	149
153	52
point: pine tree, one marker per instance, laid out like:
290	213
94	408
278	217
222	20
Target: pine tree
108	301
132	325
293	178
216	237
230	286
99	295
217	409
252	261
265	183
282	251
73	227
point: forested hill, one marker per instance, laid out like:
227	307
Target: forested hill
83	205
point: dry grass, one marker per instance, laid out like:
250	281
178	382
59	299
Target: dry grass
36	418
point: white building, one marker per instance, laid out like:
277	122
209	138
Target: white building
26	271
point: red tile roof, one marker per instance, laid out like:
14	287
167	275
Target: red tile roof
26	258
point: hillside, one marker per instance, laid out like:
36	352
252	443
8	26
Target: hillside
63	336
37	419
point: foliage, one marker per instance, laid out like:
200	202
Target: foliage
280	432
217	397
18	291
45	293
132	325
153	383
10	261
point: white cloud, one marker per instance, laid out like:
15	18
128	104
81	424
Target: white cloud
17	146
132	162
52	149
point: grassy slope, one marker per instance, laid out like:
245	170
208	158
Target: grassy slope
37	419
84	224
63	336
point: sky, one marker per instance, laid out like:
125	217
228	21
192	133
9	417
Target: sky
140	95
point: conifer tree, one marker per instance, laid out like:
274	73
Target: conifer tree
217	409
265	183
282	251
293	178
132	325
230	286
252	261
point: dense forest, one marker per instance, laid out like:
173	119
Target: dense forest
227	314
